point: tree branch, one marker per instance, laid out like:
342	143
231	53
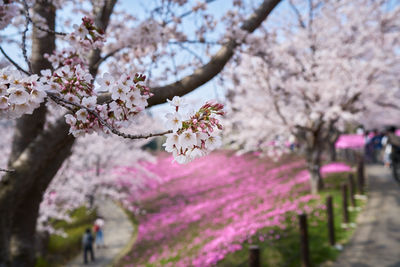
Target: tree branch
5	170
208	71
275	103
217	62
13	62
62	102
101	21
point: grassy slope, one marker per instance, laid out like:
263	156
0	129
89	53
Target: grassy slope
285	250
61	249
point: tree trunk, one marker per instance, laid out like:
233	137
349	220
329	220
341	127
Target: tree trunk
314	168
316	181
17	202
21	193
36	156
333	136
22	244
332	151
5	231
23	238
28	128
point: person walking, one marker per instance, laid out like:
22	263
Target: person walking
87	244
98	228
387	152
394	141
369	146
376	143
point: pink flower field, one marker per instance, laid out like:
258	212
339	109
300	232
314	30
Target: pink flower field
199	213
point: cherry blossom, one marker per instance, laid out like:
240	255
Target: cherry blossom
8	10
319	72
196	136
174	121
22	96
69	60
74	82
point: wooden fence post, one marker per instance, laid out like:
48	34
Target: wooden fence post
331	224
352	190
344	204
304	249
254	256
360	176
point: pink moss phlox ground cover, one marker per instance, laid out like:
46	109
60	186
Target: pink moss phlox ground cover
352	141
335	167
199	213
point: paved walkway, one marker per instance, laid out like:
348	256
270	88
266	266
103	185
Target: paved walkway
376	241
118	231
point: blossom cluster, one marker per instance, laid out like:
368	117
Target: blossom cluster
129	97
20	94
7	12
195	136
84	38
72	84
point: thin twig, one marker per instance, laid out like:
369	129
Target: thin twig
38	26
196	42
5	170
24	52
186	13
58	99
297	12
387	105
59	102
13	62
198	57
112	53
46	30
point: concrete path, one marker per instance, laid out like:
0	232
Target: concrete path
376	241
118	231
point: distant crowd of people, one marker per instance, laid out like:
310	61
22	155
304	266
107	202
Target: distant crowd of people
376	147
381	146
88	239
